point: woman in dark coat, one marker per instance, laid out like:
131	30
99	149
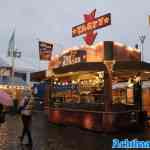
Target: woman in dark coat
2	116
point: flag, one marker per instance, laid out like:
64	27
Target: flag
45	50
11	44
149	20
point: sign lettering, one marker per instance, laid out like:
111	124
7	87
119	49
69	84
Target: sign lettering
86	27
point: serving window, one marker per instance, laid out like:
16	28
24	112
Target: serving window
79	88
119	96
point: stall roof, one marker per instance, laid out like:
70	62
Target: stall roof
38	76
97	66
127	67
88	66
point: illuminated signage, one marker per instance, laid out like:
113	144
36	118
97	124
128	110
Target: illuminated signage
73	57
96	23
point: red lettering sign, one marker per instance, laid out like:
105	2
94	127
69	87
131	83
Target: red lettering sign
91	24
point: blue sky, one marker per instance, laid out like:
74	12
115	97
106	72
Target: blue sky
52	21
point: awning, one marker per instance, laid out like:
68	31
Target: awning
38	76
88	66
119	68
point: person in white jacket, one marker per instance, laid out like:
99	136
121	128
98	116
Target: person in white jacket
26	106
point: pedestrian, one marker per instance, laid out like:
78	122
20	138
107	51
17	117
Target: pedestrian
2	114
14	109
26	109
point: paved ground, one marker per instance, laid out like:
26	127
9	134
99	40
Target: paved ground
11	130
53	137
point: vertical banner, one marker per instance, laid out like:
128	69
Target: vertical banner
45	50
149	20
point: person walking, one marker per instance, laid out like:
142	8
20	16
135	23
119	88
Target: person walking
26	109
2	114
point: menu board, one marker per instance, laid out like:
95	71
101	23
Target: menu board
72	57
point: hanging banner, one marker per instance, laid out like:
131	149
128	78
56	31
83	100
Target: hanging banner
45	50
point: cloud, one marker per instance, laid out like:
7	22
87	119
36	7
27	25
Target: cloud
53	20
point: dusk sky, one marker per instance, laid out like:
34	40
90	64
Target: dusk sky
53	20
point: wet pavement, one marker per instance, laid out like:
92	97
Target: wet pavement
54	137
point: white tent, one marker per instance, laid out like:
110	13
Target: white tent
24	65
3	63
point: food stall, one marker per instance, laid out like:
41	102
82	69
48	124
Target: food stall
14	86
84	87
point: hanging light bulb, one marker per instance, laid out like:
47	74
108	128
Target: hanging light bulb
73	82
56	79
90	81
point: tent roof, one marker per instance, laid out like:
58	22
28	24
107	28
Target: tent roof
124	67
23	65
3	63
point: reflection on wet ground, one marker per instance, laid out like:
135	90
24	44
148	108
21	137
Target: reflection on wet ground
54	137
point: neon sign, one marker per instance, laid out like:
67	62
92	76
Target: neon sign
91	24
99	22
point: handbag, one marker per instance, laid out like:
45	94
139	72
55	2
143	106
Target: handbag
22	107
2	117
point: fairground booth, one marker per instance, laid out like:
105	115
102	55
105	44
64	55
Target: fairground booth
102	87
13	86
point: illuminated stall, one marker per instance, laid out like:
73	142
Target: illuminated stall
13	87
94	87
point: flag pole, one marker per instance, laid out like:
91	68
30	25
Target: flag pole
38	54
13	74
12	55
